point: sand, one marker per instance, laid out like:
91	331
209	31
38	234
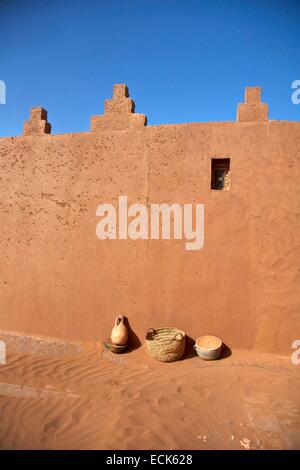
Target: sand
100	400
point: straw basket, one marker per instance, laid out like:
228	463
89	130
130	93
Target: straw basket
165	344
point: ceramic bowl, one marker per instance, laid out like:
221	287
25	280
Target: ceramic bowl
208	347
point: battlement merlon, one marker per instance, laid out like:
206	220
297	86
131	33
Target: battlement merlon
38	122
252	109
119	113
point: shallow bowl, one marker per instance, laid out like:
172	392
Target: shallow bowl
114	347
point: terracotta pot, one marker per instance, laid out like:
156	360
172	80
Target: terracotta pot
119	334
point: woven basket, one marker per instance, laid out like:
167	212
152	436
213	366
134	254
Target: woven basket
165	344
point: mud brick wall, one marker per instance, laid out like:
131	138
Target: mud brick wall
58	279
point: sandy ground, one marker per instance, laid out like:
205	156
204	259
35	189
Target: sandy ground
99	400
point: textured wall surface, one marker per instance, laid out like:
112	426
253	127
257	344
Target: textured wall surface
58	279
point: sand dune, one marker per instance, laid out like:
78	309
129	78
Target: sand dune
98	400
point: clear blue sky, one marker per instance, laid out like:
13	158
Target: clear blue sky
183	60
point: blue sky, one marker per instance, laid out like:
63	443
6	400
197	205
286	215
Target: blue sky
183	60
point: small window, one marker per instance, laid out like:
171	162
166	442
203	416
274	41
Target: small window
220	173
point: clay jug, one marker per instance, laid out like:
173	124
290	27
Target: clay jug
119	334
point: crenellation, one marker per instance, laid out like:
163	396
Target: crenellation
119	113
253	109
38	122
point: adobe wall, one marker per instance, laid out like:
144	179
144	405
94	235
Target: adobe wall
58	279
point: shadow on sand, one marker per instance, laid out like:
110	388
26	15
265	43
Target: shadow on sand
189	351
133	340
226	352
